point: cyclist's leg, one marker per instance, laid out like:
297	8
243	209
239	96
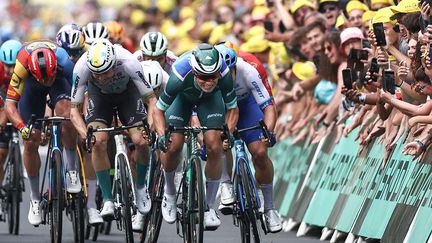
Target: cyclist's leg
60	98
211	113
178	114
100	115
33	102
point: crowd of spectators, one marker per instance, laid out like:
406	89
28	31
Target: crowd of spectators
327	59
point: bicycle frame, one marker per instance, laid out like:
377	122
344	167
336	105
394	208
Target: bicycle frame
121	149
241	156
14	144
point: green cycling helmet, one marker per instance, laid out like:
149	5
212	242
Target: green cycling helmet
205	60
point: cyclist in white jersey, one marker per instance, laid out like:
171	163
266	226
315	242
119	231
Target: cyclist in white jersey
255	103
113	78
154	46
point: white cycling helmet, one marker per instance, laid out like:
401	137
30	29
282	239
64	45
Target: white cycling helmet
152	73
101	56
154	44
94	31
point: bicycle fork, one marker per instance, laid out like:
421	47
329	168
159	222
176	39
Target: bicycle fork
121	149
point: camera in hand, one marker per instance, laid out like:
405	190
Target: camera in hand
373	69
357	55
378	29
268	25
388	81
347	78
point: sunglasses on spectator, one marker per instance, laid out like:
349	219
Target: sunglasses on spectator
328	8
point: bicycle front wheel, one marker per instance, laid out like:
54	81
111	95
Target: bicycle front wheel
57	198
155	222
14	191
126	200
78	217
251	205
196	202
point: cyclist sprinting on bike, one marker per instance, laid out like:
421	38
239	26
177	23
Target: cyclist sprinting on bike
42	69
157	79
8	53
199	78
154	46
113	78
255	102
71	38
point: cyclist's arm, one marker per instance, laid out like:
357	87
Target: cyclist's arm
226	85
159	118
15	89
80	76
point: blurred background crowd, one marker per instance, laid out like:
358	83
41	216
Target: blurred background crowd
327	60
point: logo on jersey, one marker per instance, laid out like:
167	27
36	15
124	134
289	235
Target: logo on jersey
172	117
75	85
214	115
260	93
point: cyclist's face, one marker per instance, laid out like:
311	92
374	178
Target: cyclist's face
160	59
207	83
104	78
9	68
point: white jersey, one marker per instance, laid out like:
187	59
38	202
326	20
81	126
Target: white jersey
248	82
170	59
126	69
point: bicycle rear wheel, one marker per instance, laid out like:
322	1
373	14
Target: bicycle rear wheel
126	201
196	202
250	202
57	198
155	222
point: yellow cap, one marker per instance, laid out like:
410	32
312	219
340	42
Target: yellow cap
380	2
137	17
186	26
304	70
255	32
206	28
327	1
187	12
353	5
255	45
260	2
368	15
260	12
184	44
406	6
383	16
301	3
165	5
340	21
219	33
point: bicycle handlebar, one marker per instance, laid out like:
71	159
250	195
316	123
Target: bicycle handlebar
261	125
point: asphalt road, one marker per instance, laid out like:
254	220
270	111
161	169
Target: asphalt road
227	232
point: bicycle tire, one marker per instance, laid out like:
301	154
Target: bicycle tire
13	193
155	222
244	229
125	190
250	203
197	200
77	216
152	171
95	232
242	219
57	198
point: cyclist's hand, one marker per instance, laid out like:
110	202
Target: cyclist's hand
25	132
149	138
162	144
227	143
271	141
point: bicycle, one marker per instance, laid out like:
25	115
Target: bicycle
155	182
246	208
14	181
123	190
54	199
190	213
